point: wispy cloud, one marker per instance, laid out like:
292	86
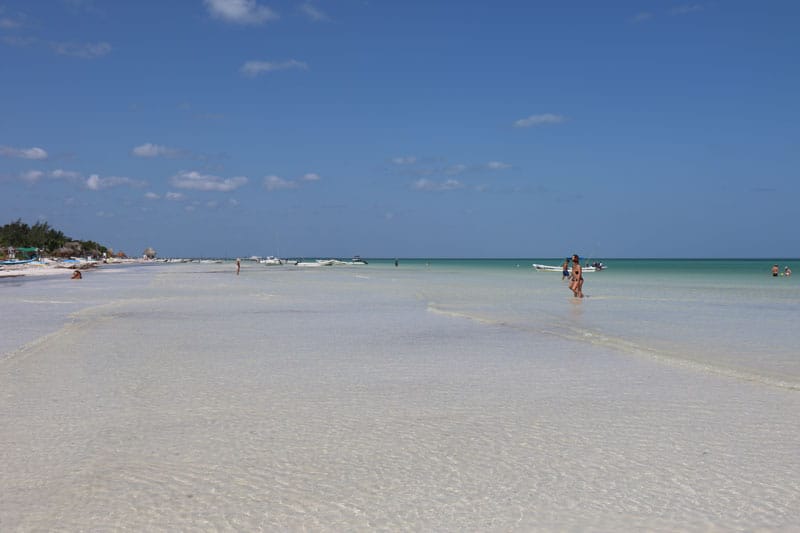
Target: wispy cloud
174	196
497	165
8	23
313	13
538	120
254	68
62	174
151	196
455	170
23	153
686	9
430	185
246	12
641	16
81	50
150	150
96	183
404	160
31	176
277	183
206	182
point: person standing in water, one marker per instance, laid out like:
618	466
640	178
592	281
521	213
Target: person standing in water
565	269
576	285
238	265
775	271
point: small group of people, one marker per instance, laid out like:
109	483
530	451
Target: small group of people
575	275
776	271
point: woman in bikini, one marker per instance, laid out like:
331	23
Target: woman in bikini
577	277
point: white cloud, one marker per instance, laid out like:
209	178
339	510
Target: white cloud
154	150
277	183
64	174
233	202
96	183
313	13
32	176
174	196
151	196
23	153
240	11
537	120
404	160
497	165
429	185
205	182
81	50
254	68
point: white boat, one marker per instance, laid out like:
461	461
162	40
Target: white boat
271	261
551	268
316	264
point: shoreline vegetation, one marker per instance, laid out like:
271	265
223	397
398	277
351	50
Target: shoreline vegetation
41	250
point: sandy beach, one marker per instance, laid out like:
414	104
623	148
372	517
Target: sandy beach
184	397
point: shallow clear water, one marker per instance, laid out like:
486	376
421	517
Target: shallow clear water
450	396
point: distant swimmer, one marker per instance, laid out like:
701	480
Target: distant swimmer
77	275
775	270
396	262
787	271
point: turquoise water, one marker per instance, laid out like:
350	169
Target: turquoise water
722	316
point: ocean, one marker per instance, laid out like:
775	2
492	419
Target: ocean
441	395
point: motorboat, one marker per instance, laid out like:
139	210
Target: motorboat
271	261
596	267
358	261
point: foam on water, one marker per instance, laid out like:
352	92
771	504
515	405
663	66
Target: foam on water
382	398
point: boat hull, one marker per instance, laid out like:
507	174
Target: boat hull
551	268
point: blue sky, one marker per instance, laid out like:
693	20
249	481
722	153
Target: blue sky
410	129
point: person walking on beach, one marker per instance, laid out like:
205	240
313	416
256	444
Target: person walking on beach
576	285
238	265
565	269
